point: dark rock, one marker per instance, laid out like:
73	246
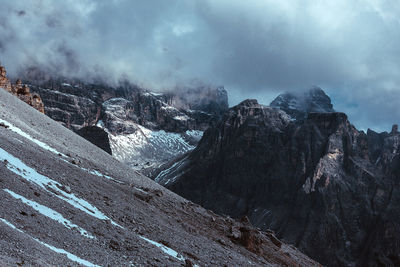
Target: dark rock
188	263
143	196
3	125
299	105
96	136
114	245
318	182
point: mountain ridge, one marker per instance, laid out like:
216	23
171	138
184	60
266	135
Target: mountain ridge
301	177
92	210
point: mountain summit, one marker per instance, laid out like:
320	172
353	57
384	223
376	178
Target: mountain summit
300	104
321	184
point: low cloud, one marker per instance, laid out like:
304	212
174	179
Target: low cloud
255	48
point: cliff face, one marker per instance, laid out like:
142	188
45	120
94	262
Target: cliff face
145	129
321	184
96	136
77	105
20	90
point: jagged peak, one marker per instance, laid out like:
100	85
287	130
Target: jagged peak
249	103
314	90
20	90
297	105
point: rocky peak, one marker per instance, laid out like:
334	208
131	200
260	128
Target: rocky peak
302	179
20	90
4	81
249	103
395	129
212	100
298	105
253	113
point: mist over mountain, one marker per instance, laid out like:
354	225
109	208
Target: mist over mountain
257	49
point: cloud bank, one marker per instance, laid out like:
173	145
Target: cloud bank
255	48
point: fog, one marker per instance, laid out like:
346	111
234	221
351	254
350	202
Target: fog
256	49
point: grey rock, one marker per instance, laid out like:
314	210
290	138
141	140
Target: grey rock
299	105
318	182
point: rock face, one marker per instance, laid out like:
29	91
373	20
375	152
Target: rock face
318	182
75	106
20	90
65	202
145	129
96	136
299	105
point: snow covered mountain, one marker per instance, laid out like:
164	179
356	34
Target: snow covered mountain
65	202
145	129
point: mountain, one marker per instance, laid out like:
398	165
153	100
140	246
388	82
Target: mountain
318	182
145	129
66	202
20	90
298	105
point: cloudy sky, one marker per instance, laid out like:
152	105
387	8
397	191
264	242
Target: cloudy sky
255	48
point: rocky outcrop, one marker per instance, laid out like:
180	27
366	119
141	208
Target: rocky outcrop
20	90
78	105
96	136
207	99
298	105
120	115
4	81
145	129
318	182
74	106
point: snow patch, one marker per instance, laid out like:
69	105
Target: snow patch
168	170
50	213
145	148
165	249
181	118
100	124
27	136
69	255
49	148
195	134
156	94
97	173
51	186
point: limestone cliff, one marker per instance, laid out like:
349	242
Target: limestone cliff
20	90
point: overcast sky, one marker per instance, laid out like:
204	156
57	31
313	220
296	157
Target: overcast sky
255	48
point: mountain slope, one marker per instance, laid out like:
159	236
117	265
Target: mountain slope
319	183
66	202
